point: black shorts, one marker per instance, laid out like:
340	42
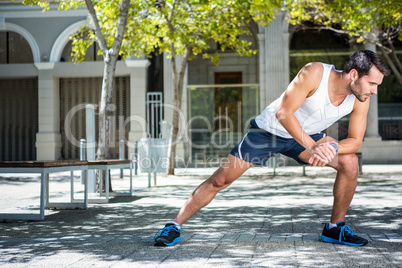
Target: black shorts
258	145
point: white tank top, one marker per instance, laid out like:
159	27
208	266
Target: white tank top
314	115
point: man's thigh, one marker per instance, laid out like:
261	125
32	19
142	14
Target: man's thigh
231	169
257	146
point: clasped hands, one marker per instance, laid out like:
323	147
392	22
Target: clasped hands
322	154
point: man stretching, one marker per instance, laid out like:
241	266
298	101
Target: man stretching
316	98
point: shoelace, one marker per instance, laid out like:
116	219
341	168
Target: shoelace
346	229
166	230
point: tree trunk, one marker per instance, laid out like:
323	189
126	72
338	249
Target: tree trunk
178	84
110	55
175	123
106	109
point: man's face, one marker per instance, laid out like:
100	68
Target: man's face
365	86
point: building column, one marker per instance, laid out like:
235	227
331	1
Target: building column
276	59
48	139
261	65
138	93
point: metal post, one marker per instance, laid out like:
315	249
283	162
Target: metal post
82	149
121	156
149	179
149	156
121	150
82	157
90	131
135	159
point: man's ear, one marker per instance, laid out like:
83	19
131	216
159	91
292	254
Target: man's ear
353	75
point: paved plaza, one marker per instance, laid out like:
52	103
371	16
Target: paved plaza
261	220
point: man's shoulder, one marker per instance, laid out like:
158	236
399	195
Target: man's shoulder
314	66
313	70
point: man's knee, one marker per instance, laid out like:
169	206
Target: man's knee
348	163
220	179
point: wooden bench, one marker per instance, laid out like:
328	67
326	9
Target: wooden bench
45	168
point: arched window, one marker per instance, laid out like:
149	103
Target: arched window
14	48
91	55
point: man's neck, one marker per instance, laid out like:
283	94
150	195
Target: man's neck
338	87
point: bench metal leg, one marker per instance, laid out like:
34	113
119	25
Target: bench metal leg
85	188
107	184
44	193
46	178
360	161
74	203
72	186
129	193
131	181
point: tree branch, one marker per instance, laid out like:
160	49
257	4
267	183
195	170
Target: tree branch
183	68
303	27
121	25
98	31
391	65
397	61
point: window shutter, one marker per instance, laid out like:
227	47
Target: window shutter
18	119
76	91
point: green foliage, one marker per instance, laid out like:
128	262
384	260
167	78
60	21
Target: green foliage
173	26
356	17
365	21
81	41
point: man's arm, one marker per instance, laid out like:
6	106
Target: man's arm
303	86
357	128
352	144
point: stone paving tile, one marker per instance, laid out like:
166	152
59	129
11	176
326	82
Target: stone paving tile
277	238
185	237
207	237
245	237
394	237
378	237
311	237
229	237
261	237
294	237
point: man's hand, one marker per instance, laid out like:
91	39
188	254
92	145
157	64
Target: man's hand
322	154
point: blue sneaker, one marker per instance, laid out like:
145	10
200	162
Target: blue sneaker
342	234
168	236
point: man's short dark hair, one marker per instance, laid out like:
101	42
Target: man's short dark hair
363	60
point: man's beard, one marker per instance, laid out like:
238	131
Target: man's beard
355	91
